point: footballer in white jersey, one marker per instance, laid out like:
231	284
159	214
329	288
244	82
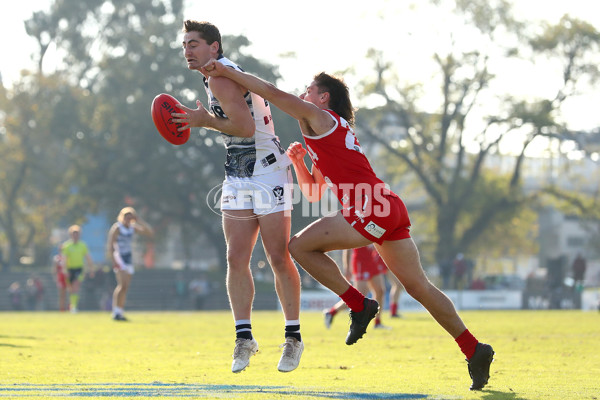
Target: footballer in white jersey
250	156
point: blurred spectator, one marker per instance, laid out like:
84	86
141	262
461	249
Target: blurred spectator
460	271
199	290
34	290
15	295
579	267
470	269
30	294
446	273
477	284
181	291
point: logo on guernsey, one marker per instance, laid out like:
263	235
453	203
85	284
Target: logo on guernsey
374	229
311	153
345	199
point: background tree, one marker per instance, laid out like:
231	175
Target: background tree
117	56
455	151
35	175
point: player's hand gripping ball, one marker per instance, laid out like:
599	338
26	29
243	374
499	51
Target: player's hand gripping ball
162	107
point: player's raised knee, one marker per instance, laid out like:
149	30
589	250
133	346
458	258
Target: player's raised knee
295	247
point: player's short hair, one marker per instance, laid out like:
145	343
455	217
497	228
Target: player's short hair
338	93
207	31
74	228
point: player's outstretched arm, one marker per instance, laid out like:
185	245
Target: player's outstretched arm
301	110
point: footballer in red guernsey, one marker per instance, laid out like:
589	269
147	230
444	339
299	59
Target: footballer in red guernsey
325	115
367	203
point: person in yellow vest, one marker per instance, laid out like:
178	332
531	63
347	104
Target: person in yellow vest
75	253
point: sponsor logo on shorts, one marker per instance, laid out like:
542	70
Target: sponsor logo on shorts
227	198
278	193
374	229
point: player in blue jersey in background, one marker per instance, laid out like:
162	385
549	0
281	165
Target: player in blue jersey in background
120	242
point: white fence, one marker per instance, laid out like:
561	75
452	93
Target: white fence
318	300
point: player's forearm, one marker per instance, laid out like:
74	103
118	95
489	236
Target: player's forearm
227	126
148	229
286	102
253	83
308	186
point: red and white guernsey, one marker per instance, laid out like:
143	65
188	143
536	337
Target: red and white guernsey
368	204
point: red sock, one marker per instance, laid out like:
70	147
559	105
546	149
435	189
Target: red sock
353	299
393	308
467	343
332	311
377	321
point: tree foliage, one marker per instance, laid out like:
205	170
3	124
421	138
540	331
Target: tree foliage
116	57
455	151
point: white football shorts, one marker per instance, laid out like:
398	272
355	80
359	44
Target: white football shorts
123	263
264	194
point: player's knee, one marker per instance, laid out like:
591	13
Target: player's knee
237	261
295	247
417	289
278	261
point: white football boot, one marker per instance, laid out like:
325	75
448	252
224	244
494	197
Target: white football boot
290	358
244	349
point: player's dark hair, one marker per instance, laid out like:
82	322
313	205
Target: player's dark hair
207	31
339	97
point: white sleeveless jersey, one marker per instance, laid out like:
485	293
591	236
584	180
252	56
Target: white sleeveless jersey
124	239
256	155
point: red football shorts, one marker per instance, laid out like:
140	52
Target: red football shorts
364	271
386	219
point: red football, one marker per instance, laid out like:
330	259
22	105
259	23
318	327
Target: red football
162	107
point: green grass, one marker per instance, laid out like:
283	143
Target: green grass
539	355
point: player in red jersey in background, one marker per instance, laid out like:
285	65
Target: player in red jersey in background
364	267
371	213
61	281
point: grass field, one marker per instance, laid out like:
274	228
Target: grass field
539	355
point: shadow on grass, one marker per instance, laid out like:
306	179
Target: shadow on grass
18	337
498	395
158	389
15	337
16	346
